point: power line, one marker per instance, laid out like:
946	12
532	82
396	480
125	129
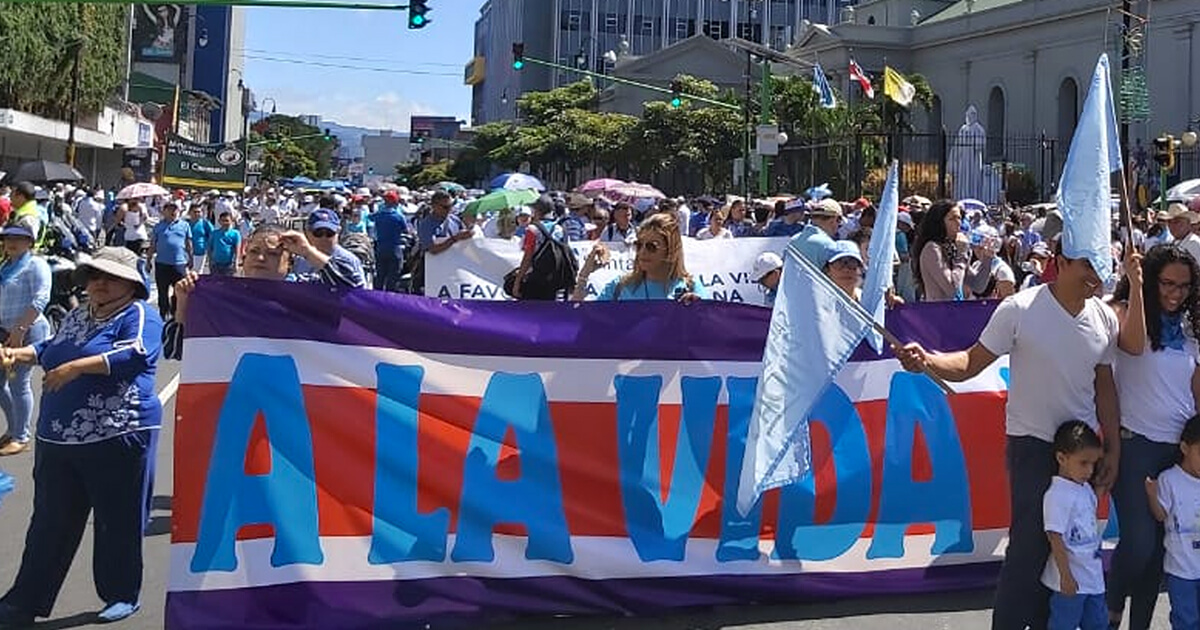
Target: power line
350	67
301	55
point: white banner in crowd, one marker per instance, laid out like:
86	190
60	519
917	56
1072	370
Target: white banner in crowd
474	270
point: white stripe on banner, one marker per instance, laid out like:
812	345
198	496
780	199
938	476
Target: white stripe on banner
474	270
210	360
596	558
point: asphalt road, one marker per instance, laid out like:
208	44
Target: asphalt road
78	604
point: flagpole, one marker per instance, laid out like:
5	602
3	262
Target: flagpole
860	312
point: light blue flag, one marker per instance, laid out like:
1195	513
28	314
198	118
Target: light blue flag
815	327
821	85
1085	191
880	254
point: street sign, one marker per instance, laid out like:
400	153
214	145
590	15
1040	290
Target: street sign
768	140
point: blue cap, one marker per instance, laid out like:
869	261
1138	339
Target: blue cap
16	229
324	218
844	249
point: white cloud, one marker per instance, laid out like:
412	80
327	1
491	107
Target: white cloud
385	110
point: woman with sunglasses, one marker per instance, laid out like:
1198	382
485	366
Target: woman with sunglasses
1158	387
658	268
97	429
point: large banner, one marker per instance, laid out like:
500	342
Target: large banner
193	165
354	459
474	269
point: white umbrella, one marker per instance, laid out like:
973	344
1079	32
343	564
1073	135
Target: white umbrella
142	189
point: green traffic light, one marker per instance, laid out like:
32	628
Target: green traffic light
518	64
676	102
418	20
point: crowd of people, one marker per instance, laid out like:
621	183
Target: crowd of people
1104	389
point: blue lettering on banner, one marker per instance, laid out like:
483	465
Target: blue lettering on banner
739	534
517	402
286	497
798	536
659	530
401	533
944	500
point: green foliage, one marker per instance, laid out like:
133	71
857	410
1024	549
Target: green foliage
431	174
37	45
288	137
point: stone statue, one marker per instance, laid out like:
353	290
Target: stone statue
965	161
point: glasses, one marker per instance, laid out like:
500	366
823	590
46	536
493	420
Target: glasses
650	246
1171	286
324	233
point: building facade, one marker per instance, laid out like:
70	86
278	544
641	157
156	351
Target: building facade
593	34
1025	65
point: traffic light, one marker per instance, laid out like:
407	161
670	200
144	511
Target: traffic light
416	14
328	136
1164	152
518	56
676	93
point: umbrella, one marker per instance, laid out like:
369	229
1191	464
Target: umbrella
516	181
500	200
597	186
142	189
450	187
45	172
633	191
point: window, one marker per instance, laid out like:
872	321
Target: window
683	28
1068	110
995	125
646	26
572	20
612	23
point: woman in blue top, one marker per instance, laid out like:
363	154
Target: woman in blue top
658	269
24	293
97	429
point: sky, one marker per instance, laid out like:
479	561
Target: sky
392	72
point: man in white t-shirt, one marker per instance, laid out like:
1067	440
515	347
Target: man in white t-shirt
1061	342
1179	222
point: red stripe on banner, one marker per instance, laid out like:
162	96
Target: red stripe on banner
343	432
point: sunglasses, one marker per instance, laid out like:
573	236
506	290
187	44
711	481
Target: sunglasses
651	246
324	233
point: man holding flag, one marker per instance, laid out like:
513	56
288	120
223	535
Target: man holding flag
1061	341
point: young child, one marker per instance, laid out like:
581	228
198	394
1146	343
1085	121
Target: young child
1074	571
1175	500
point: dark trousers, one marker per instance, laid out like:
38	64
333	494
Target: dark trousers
1137	564
108	479
165	277
1021	599
387	270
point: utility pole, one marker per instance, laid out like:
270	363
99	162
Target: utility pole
78	52
764	117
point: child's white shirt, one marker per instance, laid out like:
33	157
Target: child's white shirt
1179	495
1069	509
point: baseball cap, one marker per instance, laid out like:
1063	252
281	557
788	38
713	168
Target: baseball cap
826	208
844	249
525	211
765	264
905	218
1041	249
324	218
392	196
795	205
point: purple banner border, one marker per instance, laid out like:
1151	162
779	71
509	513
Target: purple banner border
661	330
453	602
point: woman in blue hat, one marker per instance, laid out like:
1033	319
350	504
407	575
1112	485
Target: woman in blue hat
25	281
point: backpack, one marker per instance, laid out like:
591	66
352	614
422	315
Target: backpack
553	269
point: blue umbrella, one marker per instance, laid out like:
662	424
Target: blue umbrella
516	181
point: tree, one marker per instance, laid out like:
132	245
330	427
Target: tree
284	158
36	53
278	128
694	138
